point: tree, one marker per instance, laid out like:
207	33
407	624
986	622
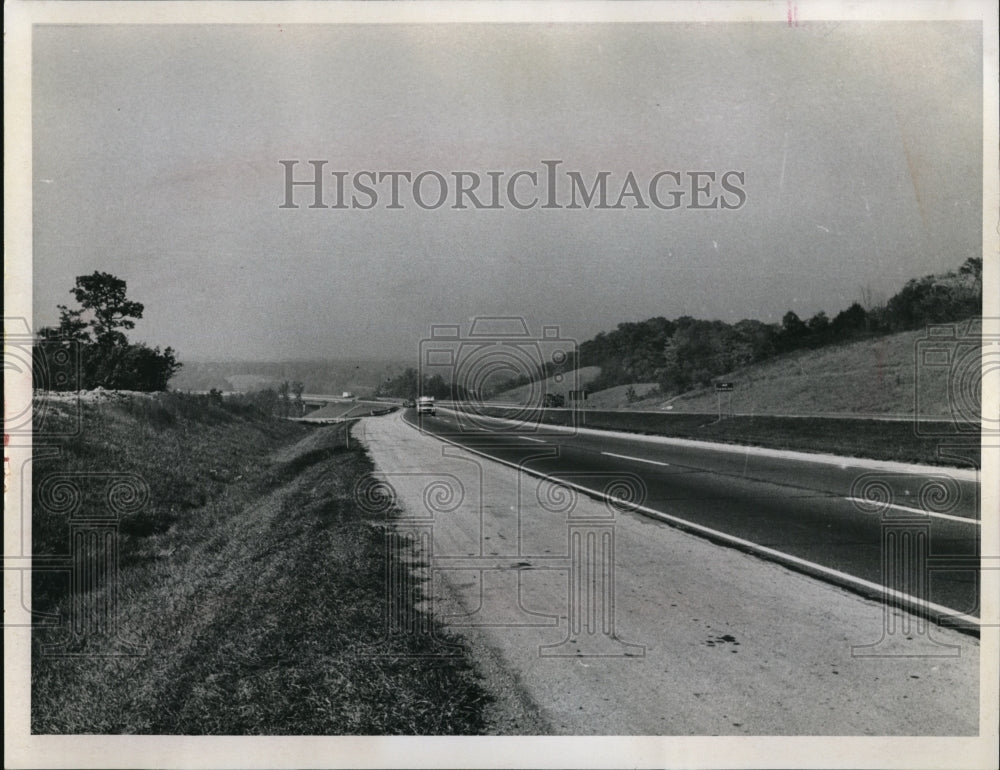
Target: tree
266	400
284	389
972	267
849	322
95	328
437	387
71	327
793	331
102	295
140	367
819	329
297	389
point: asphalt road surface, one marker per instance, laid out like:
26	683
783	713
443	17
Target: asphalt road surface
612	622
865	525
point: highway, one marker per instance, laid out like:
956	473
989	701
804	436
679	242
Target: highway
862	524
608	621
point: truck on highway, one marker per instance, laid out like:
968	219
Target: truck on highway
425	405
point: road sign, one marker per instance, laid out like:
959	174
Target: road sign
724	387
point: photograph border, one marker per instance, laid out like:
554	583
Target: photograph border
23	750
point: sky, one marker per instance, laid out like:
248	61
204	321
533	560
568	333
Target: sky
157	149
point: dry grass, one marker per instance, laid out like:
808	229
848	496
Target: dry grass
256	587
848	437
575	378
874	376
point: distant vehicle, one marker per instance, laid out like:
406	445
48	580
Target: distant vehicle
425	405
553	400
409	403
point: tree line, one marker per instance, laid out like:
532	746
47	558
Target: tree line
688	352
411	384
283	401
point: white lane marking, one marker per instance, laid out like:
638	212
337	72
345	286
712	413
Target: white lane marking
746	545
858	500
637	459
536	440
959	474
950	517
781	556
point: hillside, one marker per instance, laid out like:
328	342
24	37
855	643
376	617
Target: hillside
248	591
874	376
575	379
687	353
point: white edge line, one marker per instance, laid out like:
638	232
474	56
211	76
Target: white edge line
637	459
950	517
959	474
746	545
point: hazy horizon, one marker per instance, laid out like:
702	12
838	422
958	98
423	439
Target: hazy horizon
157	157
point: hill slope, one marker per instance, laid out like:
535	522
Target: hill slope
874	376
574	379
248	592
877	376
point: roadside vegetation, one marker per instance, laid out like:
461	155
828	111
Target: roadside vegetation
872	376
847	437
646	363
685	353
89	349
251	581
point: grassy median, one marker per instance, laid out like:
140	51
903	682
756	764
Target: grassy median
252	584
930	443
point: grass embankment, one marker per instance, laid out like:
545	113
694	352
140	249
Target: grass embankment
252	578
872	376
879	375
848	437
573	379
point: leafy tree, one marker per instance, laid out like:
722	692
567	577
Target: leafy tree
819	323
755	341
297	389
266	400
436	386
401	386
849	322
102	297
972	267
71	326
792	325
144	368
284	391
95	329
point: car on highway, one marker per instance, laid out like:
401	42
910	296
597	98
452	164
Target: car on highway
425	405
409	403
553	400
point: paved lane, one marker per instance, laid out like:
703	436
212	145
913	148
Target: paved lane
864	524
612	623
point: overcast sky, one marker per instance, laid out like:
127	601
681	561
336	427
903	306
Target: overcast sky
156	158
